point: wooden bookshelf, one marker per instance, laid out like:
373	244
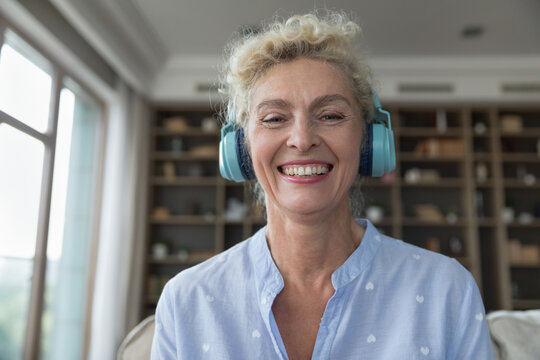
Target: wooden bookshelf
456	158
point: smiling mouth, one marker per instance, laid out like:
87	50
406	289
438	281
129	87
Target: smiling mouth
305	170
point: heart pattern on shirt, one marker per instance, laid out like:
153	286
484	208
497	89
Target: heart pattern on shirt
424	350
206	347
371	339
378	237
209	298
479	316
370	286
419	298
256	334
416	256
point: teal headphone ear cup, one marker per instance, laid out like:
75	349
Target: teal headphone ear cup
378	154
234	160
380	150
228	162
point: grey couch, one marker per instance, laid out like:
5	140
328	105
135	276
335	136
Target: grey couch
515	336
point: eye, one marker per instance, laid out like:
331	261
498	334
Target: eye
332	117
272	120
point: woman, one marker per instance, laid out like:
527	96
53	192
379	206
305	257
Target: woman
314	283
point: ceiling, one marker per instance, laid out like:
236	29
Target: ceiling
391	27
168	48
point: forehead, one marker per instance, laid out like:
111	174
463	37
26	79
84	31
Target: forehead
301	80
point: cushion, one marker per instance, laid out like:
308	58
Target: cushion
138	343
515	334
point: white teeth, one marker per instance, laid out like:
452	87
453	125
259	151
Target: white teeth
305	171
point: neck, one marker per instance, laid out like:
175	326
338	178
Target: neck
308	249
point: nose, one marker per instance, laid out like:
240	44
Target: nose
303	134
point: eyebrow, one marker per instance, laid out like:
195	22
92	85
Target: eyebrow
273	102
325	99
319	101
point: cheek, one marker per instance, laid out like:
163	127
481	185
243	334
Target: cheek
351	145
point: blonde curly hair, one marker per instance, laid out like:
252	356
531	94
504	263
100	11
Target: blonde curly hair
329	38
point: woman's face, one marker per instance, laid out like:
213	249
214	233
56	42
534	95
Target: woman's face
304	134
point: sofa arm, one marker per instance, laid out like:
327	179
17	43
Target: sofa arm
515	335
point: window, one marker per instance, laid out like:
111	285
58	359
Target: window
50	133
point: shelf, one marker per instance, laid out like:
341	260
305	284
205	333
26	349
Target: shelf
515	224
248	219
384	222
522	304
443	183
525	265
179	156
520	157
485	135
518	184
231	221
232	183
186	181
185	220
190	133
409	221
428	132
412	157
527	133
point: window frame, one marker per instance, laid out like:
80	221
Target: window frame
31	347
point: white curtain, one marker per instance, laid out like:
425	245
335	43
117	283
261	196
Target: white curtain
119	266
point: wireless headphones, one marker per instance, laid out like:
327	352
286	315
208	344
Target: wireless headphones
377	156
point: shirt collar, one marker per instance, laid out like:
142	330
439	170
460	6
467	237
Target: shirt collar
361	258
270	282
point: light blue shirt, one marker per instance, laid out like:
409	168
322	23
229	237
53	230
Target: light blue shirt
392	300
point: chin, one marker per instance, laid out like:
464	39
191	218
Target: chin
308	209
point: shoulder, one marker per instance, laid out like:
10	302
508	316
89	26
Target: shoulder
218	271
421	265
